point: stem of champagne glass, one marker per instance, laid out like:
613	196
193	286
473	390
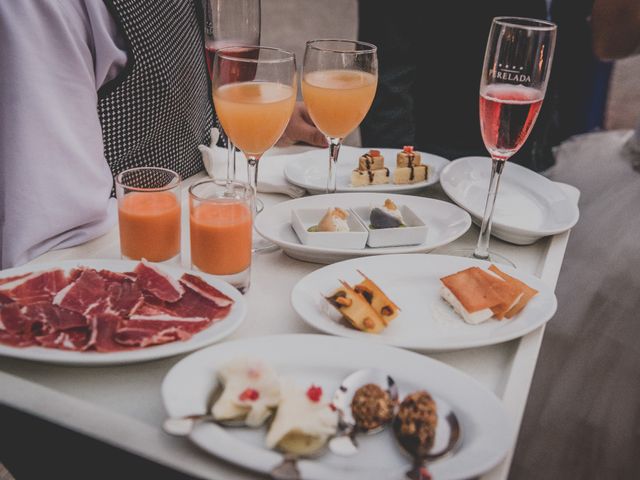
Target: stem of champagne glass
482	248
231	161
334	149
252	176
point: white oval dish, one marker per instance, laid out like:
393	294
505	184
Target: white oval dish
325	361
425	322
445	222
528	207
212	334
309	170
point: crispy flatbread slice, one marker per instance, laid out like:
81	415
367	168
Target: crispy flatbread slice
379	300
356	309
472	290
527	292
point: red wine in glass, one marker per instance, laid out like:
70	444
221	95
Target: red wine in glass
236	71
507	115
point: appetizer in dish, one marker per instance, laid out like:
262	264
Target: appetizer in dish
105	311
251	392
304	421
386	216
335	220
365	306
371	407
417	420
409	167
370	171
477	295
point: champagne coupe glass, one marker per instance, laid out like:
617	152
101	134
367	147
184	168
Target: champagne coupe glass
514	80
254	104
227	23
339	80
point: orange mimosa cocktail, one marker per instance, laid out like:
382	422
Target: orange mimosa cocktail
338	100
254	114
339	80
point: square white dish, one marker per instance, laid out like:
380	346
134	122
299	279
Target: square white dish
413	233
303	218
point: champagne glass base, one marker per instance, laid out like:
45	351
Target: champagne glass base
493	256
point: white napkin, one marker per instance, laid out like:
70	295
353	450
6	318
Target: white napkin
270	172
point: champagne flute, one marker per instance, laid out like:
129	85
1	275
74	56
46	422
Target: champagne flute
514	80
230	23
255	104
339	80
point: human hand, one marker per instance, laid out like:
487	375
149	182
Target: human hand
302	129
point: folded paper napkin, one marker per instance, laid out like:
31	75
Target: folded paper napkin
271	177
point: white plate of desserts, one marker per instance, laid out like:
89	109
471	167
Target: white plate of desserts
444	223
310	170
417	316
320	363
528	207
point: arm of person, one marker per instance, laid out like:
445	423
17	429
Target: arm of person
616	28
54	181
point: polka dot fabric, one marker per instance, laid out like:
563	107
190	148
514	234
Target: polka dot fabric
158	110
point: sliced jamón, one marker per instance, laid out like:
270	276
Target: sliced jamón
161	285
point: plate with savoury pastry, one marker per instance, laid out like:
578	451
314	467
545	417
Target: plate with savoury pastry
293	225
528	207
401	170
310	370
423	302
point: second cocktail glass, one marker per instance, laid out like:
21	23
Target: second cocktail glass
339	81
255	104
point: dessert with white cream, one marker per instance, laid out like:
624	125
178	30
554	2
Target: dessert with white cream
251	392
334	220
304	420
386	216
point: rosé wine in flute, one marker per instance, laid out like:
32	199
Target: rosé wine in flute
235	71
507	115
515	74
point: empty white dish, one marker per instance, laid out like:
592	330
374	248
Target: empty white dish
304	218
528	206
413	233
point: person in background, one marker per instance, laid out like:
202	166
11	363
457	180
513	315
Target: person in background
616	35
90	88
429	75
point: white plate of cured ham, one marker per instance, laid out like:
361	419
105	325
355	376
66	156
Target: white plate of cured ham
101	312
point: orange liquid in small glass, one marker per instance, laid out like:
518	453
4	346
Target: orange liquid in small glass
221	237
254	114
338	100
149	226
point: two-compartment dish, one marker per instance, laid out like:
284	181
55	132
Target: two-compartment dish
382	225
